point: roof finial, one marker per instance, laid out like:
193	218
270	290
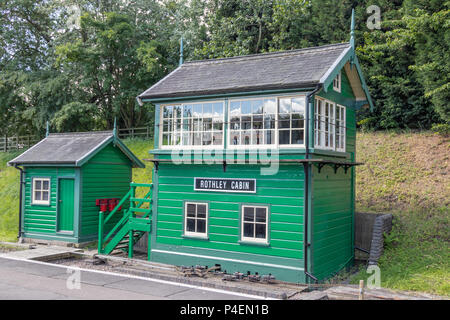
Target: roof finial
47	130
352	30
115	127
181	51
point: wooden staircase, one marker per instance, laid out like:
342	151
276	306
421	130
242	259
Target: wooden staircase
134	223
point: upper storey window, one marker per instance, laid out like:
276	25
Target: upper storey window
267	122
329	125
255	122
194	124
337	83
252	122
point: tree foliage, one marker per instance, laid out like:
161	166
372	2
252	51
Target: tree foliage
81	63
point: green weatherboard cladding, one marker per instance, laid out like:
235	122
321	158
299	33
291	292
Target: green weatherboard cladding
281	193
72	214
42	220
106	175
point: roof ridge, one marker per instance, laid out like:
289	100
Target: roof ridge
265	54
79	133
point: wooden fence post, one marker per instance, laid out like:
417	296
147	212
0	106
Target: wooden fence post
361	290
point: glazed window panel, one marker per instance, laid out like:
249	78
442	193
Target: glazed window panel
194	124
291	121
329	125
196	219
267	121
252	121
41	191
254	224
337	83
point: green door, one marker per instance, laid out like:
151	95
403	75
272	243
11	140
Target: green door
66	205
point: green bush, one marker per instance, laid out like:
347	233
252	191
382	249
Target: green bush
441	128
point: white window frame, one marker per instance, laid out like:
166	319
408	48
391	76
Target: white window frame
254	239
42	190
203	235
322	136
340	142
337	82
275	145
181	146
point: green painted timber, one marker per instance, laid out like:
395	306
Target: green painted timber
282	193
128	225
332	216
41	221
332	208
66	204
106	175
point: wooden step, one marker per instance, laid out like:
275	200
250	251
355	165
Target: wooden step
143	210
141	200
145	185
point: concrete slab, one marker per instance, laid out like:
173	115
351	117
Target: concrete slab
147	287
27	279
198	294
15	284
36	269
93	278
41	253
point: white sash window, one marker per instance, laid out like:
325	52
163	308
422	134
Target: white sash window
194	125
41	191
329	125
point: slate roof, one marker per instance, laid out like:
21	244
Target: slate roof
70	148
268	71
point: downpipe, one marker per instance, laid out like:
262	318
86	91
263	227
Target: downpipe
19	235
306	243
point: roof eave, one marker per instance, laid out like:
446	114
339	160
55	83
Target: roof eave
347	55
229	93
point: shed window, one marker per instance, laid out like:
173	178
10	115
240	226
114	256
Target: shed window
195	124
41	191
254	224
329	125
337	83
196	219
268	122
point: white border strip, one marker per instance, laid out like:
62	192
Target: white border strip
231	260
244	295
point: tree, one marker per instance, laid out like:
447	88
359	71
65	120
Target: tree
111	64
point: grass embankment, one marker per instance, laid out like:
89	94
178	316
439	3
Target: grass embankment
9	197
406	174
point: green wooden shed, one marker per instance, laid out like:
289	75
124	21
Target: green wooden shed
254	163
63	175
